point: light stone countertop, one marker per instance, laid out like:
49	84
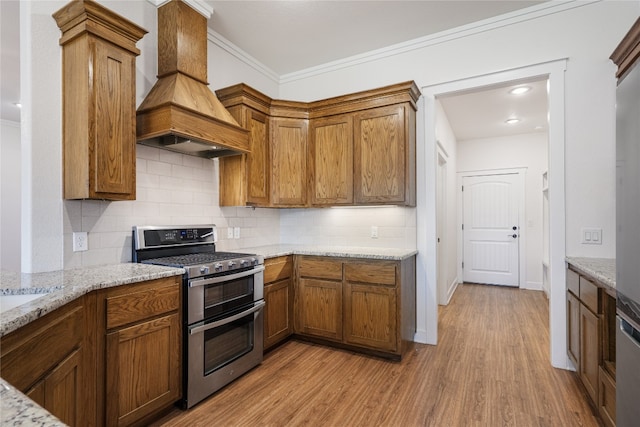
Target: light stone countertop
61	287
601	269
57	288
16	409
272	251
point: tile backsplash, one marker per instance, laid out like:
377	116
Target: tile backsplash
174	189
171	188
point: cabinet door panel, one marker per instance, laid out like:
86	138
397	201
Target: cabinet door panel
289	162
589	351
379	147
331	160
278	317
258	168
113	153
371	318
143	369
320	308
573	329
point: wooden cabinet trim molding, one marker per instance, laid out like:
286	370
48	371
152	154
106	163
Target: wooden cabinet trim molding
628	51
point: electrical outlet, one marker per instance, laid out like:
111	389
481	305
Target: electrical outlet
592	236
230	233
236	232
80	241
374	232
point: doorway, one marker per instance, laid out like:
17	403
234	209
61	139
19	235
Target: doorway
426	275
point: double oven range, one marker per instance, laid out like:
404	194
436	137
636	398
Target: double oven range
222	301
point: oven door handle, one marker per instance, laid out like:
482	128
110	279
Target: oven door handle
219	279
198	329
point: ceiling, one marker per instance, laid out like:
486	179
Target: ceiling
289	36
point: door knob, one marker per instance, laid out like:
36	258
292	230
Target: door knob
514	235
514	228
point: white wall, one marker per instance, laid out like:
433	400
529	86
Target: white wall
520	151
449	147
9	195
350	226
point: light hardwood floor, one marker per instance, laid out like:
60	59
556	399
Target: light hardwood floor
490	368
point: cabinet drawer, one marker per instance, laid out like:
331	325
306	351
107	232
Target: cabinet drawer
383	273
277	269
589	294
320	268
142	302
607	399
573	282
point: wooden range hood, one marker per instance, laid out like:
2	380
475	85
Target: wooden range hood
181	113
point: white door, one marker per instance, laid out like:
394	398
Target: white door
491	229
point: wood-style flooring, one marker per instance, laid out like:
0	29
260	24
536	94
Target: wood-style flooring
490	368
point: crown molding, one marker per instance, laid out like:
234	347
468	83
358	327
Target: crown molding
243	56
199	5
523	15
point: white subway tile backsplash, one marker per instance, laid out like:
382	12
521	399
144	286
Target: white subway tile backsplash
175	189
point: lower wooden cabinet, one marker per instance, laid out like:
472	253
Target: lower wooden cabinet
371	309
142	350
51	361
278	298
362	304
591	341
607	398
589	351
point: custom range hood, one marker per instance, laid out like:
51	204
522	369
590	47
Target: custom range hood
181	113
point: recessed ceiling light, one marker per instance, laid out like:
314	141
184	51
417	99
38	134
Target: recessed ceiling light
520	90
512	121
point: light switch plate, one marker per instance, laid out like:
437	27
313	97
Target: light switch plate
374	232
592	236
80	241
236	232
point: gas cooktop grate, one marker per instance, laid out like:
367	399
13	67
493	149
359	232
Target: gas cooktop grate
195	259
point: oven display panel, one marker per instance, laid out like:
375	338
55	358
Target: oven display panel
176	236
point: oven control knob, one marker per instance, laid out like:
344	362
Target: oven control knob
204	270
254	261
231	264
243	262
217	267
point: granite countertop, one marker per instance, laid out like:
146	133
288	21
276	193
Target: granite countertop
60	287
272	251
16	409
602	270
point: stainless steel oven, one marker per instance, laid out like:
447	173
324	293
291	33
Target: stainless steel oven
222	305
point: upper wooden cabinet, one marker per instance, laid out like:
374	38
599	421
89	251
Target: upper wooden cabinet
359	150
331	160
288	162
99	131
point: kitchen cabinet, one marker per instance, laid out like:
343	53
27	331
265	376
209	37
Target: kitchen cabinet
98	101
381	157
244	179
319	297
371	307
591	340
51	361
140	350
278	298
361	304
359	149
331	160
288	162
